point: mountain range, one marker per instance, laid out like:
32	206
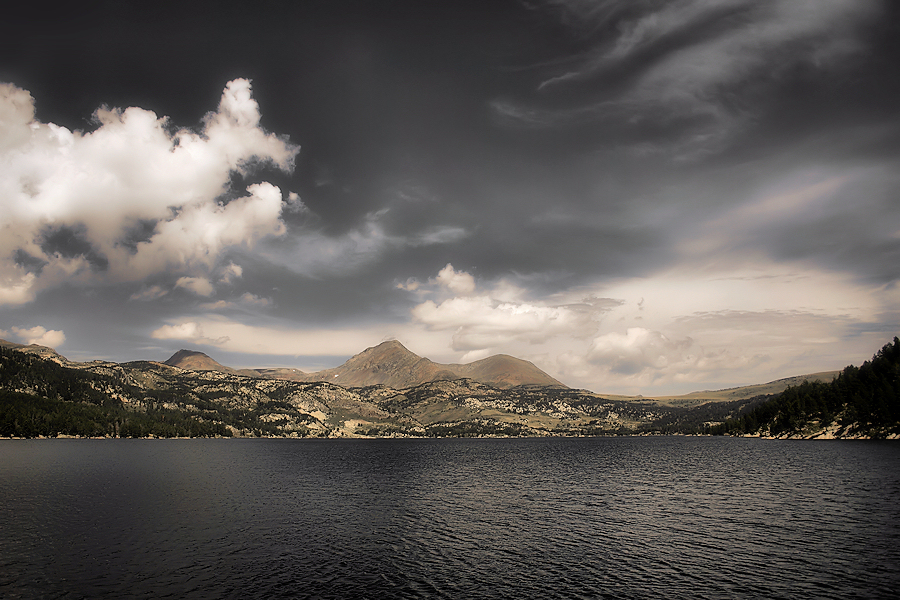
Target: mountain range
392	365
388	391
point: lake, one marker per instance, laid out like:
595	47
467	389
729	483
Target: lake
642	517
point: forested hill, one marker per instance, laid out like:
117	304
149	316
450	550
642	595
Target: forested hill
861	402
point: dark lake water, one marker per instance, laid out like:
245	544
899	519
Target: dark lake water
665	517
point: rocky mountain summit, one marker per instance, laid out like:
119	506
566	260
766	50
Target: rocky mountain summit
391	364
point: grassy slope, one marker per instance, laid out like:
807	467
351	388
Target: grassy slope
729	394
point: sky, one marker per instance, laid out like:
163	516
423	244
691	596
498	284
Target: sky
638	196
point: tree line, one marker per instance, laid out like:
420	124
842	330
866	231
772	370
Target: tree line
29	416
53	400
863	399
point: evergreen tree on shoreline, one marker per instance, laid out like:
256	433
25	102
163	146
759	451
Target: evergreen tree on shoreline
860	400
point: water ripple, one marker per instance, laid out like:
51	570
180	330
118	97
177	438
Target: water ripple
554	518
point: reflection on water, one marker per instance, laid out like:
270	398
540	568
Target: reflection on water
556	518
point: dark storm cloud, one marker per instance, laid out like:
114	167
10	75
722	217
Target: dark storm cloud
71	242
29	263
840	232
699	68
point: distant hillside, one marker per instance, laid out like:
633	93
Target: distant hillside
275	373
43	351
391	364
736	393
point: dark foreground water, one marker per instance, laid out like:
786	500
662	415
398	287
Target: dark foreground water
548	518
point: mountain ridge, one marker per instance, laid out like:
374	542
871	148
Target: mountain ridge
185	358
45	394
390	364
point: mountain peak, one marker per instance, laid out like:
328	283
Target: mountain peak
390	343
503	370
195	361
387	348
390	363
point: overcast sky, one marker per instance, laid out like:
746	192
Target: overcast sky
638	196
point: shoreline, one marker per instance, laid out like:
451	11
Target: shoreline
791	437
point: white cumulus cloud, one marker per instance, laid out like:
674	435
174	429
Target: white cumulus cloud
231	272
639	349
498	317
189	331
132	198
40	336
459	282
246	300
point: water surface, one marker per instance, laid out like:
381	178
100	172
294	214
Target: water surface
454	518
